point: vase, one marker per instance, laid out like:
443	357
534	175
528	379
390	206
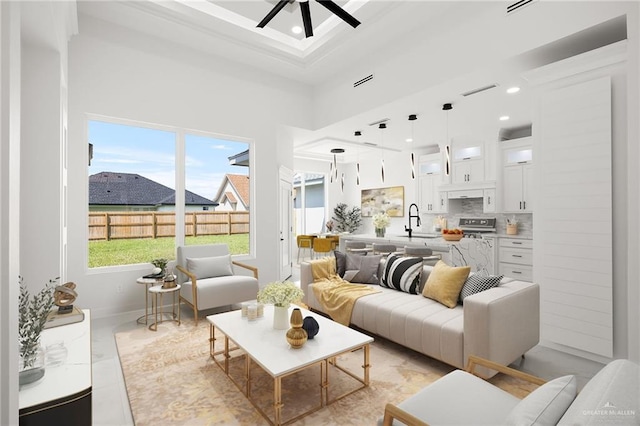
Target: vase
296	336
281	317
311	326
31	364
380	232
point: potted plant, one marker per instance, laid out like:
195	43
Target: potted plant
346	220
32	317
160	263
280	294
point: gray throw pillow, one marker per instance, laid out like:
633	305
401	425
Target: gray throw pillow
545	405
210	267
341	262
362	269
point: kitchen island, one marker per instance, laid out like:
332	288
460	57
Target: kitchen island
479	253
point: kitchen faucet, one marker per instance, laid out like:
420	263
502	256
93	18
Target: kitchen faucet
417	216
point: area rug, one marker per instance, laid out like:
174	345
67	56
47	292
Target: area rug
171	380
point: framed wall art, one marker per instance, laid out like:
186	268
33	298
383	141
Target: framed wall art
389	200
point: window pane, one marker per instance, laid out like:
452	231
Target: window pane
218	192
131	194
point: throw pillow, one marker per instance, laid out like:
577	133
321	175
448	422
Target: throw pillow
362	269
402	273
477	283
209	267
341	262
545	405
445	282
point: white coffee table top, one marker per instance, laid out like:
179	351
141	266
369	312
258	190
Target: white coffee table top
269	348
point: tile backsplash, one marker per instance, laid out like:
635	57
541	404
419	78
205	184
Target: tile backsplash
473	208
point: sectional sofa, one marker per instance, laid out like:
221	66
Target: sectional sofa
499	324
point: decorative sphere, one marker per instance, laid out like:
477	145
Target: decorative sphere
311	326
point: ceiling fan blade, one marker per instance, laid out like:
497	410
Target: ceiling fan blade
277	8
339	12
306	18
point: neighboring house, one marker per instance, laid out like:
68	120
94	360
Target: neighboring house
233	194
111	191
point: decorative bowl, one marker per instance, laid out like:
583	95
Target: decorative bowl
452	237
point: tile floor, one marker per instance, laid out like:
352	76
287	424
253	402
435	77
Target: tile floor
111	405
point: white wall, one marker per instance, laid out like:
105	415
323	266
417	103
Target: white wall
120	73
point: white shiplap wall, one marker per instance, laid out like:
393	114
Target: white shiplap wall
573	216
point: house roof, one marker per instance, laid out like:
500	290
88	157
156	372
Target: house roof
112	188
240	183
232	198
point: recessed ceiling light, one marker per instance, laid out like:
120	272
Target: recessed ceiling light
512	90
408	140
296	29
504	118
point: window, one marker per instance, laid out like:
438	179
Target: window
132	192
309	205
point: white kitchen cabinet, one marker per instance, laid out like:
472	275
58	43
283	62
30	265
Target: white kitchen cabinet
489	201
515	257
432	200
517	176
466	171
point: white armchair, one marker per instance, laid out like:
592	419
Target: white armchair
210	278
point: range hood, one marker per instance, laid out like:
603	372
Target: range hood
465	193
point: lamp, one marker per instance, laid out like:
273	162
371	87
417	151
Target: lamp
334	166
358	133
447	148
413	118
382	126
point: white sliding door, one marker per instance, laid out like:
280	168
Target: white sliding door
573	242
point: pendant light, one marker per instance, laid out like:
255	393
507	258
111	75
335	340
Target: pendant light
382	126
412	118
358	133
447	148
333	169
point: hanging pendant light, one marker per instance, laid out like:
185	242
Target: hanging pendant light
447	148
342	183
358	133
382	126
334	165
412	118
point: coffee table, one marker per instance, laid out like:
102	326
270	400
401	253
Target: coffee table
259	342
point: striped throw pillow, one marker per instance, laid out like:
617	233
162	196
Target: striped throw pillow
477	283
402	273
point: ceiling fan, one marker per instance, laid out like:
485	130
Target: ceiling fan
306	14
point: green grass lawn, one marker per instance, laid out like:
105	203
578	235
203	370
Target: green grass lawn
126	252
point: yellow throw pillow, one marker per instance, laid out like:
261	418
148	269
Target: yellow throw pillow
445	282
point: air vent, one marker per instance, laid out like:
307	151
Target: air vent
375	123
513	7
480	89
363	80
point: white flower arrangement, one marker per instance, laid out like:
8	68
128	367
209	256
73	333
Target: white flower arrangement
381	220
280	293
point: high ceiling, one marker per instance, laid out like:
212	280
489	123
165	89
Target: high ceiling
227	28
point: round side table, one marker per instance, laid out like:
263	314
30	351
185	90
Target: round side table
148	282
159	290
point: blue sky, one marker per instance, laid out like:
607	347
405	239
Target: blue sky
151	153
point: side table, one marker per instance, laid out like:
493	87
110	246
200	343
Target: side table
148	282
159	290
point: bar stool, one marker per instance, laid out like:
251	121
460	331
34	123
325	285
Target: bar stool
357	247
335	241
424	252
384	249
305	242
322	245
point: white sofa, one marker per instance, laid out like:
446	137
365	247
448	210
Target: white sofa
499	324
611	397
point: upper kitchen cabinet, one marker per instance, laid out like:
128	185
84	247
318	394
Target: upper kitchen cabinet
467	165
432	200
517	175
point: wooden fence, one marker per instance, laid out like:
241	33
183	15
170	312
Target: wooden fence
123	225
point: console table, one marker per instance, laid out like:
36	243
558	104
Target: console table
63	395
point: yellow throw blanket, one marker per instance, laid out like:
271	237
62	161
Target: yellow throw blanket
336	295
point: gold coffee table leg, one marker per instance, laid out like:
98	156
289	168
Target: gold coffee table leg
277	400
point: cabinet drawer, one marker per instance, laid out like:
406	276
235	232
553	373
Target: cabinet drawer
518	272
514	255
516	242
